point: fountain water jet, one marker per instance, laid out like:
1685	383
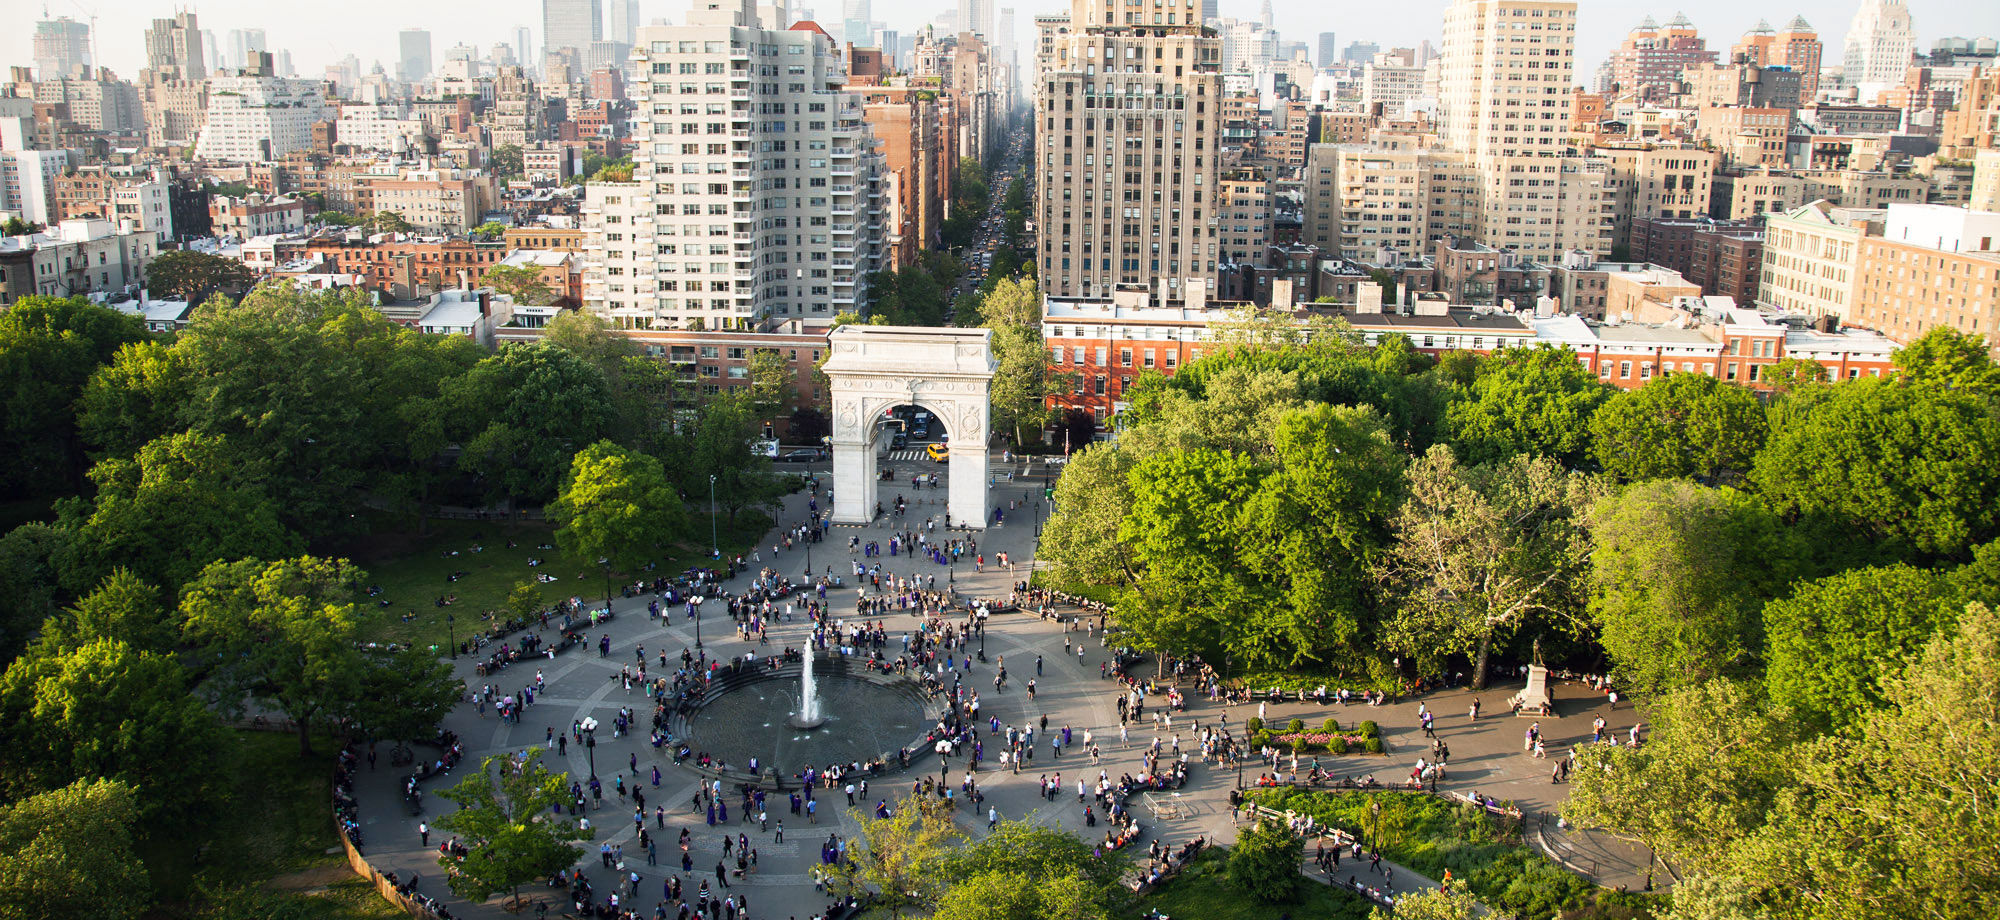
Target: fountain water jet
808	716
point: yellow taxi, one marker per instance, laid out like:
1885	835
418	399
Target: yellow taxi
938	452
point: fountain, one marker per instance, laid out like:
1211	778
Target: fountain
808	716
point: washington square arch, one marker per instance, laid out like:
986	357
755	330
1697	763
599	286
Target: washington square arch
947	372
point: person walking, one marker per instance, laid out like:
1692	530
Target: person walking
424	832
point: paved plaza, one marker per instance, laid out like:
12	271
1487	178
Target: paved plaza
1487	757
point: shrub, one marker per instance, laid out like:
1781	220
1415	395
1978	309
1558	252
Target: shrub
1372	746
1330	726
1337	746
1260	739
1253	726
1296	725
1370	730
1300	745
1265	862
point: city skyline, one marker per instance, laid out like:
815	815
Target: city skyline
372	36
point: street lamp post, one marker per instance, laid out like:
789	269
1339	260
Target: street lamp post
697	623
451	635
714	544
589	726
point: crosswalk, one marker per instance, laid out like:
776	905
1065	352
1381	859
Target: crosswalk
908	455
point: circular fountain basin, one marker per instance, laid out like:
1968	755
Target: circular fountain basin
863	716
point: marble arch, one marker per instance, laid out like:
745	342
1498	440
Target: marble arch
948	371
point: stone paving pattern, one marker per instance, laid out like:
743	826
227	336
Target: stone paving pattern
1487	757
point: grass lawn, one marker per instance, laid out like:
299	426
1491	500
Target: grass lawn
1203	892
412	570
270	850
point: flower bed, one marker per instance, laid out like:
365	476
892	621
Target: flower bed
1329	738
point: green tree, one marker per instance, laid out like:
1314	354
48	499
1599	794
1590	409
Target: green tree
505	161
721	448
1534	401
510	818
1021	871
525	601
30	582
106	709
388	222
902	858
1793	373
123	607
70	853
1184	531
1439	904
1833	639
491	230
14	226
1091	498
1714	766
1679	578
192	276
282	633
525	412
49	348
523	283
1946	359
617	506
772	382
1678	425
405	694
135	398
1480	551
196	488
1264	863
1311	530
1907	469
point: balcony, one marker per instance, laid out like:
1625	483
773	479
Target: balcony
843	189
739	132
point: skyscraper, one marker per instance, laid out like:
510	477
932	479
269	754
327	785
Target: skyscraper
1647	65
860	10
1880	41
1503	98
524	46
1329	50
571	24
623	22
1797	47
243	43
414	50
173	48
737	220
61	45
1130	122
976	16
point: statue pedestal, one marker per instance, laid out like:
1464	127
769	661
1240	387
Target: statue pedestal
1529	701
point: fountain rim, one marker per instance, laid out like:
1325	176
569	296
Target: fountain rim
790	671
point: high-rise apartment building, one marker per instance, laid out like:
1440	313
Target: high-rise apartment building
1128	128
755	197
1503	97
1797	47
414	54
1880	41
1647	65
257	117
976	16
61	46
245	42
622	21
173	48
571	24
1329	50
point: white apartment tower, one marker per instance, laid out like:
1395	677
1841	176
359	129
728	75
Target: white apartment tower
756	192
1127	125
1503	98
1880	41
253	118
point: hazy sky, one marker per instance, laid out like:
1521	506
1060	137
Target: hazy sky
322	33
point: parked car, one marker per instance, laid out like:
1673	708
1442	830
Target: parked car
803	455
